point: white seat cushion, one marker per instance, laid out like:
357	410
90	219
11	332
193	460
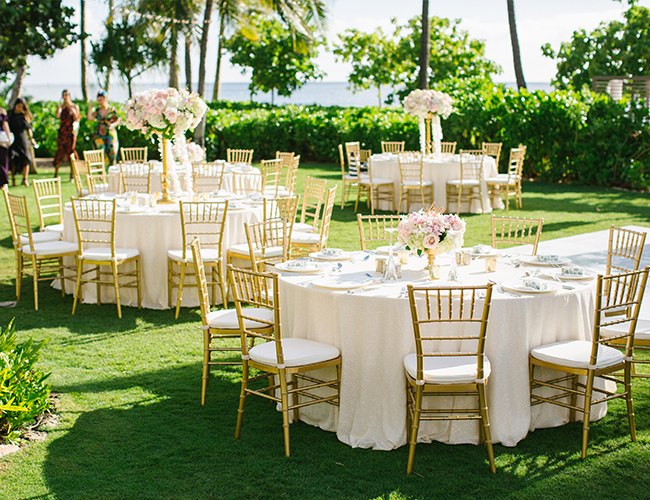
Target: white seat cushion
501	179
207	254
464	182
242	249
104	253
576	353
447	369
305	238
364	179
297	352
227	319
417	183
51	248
40	237
58	228
642	330
303	227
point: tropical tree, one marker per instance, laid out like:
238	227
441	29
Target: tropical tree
84	55
613	49
373	57
31	28
132	47
425	48
275	63
514	39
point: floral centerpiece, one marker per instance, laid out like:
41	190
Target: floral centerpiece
167	114
192	151
429	106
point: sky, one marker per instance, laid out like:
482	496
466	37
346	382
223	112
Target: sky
538	22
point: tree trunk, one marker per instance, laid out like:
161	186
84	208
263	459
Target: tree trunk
109	21
217	77
188	62
129	82
84	57
173	58
17	87
379	94
425	44
199	133
516	56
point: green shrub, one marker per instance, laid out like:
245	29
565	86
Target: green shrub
23	392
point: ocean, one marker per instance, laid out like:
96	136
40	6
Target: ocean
322	93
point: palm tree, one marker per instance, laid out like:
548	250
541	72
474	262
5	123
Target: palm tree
516	56
84	56
425	44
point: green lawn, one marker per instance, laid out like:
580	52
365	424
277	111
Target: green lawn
132	425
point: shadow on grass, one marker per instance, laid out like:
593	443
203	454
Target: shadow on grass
165	445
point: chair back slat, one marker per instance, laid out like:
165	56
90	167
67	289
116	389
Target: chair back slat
204	220
95	159
392	146
327	216
48	201
516	231
19	214
448	148
246	183
267	242
240	156
493	149
373	228
411	167
312	200
624	249
134	155
95	223
136	177
208	177
271	171
471	164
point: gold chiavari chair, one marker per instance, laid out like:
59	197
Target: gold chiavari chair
312	201
206	221
80	173
48	201
449	324
95	222
349	177
281	358
357	158
282	207
618	300
292	175
516	231
392	146
376	189
304	243
271	171
511	181
468	187
373	229
246	183
268	243
208	177
95	159
492	149
220	325
287	170
134	155
448	148
411	178
136	177
45	256
240	156
101	182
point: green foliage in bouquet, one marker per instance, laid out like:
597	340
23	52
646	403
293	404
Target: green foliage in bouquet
23	392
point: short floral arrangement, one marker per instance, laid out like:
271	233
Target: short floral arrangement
194	152
424	102
423	231
169	112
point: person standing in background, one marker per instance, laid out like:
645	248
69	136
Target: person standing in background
20	156
105	135
66	142
4	149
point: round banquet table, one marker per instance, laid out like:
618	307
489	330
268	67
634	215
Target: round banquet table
373	330
386	166
154	232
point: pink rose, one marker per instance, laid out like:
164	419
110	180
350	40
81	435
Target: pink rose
431	241
171	114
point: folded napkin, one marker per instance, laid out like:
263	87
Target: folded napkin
299	264
482	249
573	271
547	258
331	252
535	284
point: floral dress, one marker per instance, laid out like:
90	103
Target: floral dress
66	140
105	137
4	156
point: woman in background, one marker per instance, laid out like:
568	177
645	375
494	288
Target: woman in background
4	150
69	114
105	135
20	156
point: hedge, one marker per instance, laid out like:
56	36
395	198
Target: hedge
571	137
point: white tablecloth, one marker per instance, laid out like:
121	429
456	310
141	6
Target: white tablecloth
153	233
386	166
373	330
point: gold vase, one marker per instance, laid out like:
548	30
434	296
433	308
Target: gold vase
164	178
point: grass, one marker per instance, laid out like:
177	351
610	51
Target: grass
132	426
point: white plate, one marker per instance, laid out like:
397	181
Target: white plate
532	261
309	267
386	248
133	209
570	277
343	256
344	282
492	253
518	286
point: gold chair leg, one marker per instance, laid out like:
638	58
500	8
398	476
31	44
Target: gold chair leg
214	286
98	277
19	275
179	296
224	286
485	422
77	292
169	283
116	287
284	396
139	282
587	413
35	280
574	398
206	364
242	398
371	193
415	425
628	399
399	203
294	385
62	274
356	205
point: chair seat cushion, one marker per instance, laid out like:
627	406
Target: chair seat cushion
576	353
208	255
464	182
642	330
447	369
242	249
58	228
104	253
501	179
417	183
298	237
376	181
227	319
303	227
40	237
51	248
297	352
